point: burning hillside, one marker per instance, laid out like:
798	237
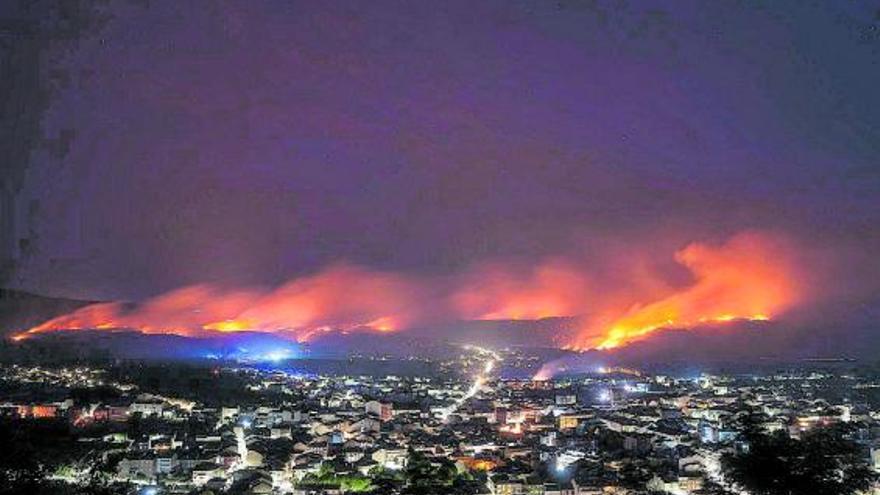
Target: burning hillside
752	276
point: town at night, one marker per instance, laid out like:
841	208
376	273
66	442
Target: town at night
574	247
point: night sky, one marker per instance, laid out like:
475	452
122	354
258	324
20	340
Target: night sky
249	142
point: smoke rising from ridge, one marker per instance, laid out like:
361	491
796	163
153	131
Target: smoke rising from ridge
752	275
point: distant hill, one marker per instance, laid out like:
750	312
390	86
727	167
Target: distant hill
743	344
21	310
546	332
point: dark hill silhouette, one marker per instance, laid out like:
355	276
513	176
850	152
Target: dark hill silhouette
801	338
21	310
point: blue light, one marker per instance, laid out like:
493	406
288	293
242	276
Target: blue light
277	355
249	348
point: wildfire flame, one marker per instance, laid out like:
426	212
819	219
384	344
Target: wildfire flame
750	277
340	298
497	292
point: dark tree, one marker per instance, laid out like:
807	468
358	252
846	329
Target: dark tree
435	476
824	462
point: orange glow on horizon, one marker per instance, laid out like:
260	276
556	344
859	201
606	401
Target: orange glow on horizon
751	277
230	326
620	336
497	292
341	298
383	324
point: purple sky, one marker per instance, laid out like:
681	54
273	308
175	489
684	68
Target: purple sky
252	141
